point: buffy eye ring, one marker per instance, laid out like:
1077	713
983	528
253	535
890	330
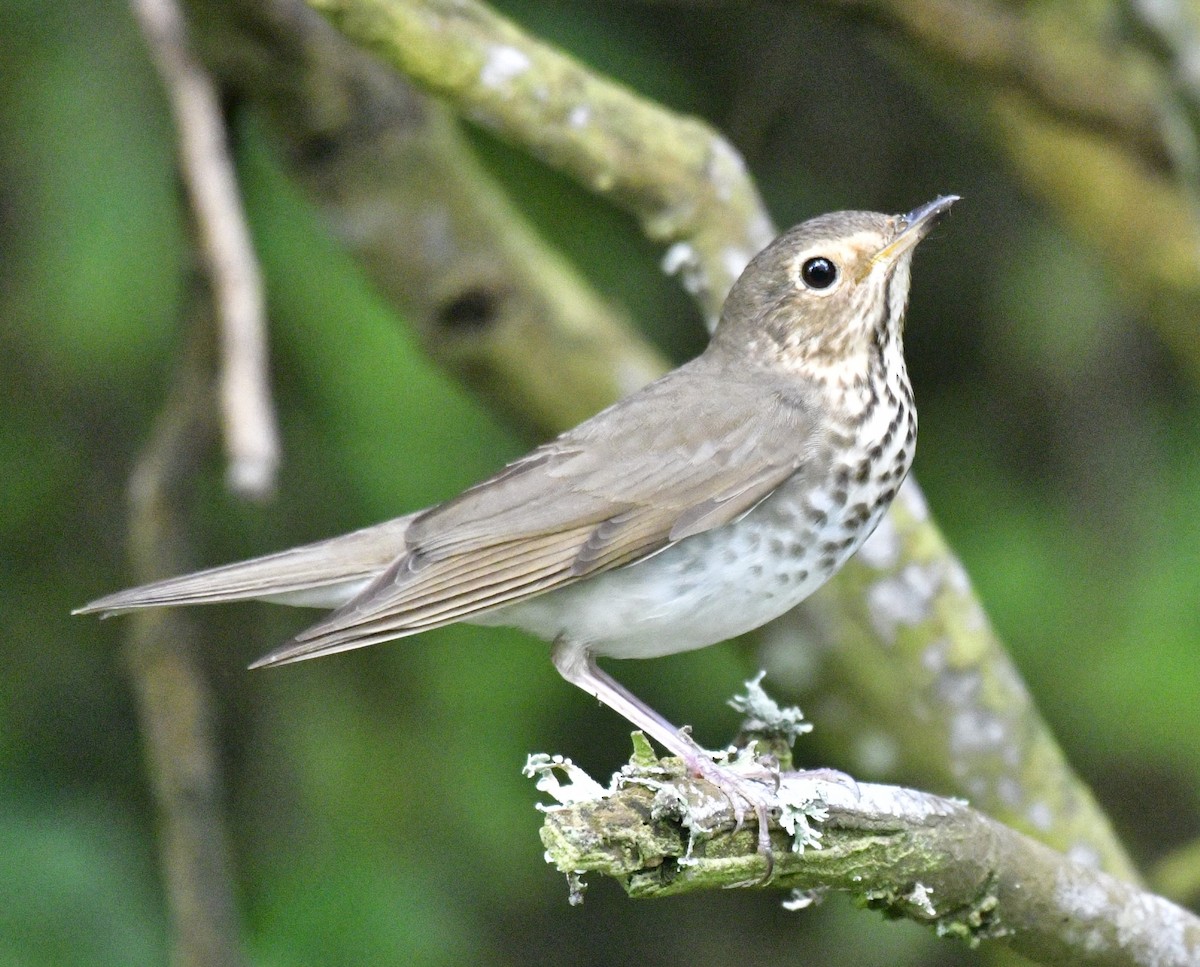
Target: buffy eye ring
818	273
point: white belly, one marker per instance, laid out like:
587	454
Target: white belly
706	588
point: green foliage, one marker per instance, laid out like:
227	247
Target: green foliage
77	886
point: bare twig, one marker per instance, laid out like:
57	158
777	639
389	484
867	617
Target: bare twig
174	706
933	860
251	436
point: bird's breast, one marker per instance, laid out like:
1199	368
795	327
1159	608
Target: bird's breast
737	577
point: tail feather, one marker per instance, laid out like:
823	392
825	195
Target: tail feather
324	574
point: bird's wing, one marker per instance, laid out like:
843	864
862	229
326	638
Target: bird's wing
317	574
681	457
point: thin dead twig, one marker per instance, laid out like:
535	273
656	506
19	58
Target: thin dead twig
251	435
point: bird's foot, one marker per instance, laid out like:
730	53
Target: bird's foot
746	783
752	788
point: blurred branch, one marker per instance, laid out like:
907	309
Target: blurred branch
174	706
1170	33
679	177
1052	64
932	860
397	182
964	677
251	436
1093	124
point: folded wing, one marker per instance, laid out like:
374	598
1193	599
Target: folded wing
668	463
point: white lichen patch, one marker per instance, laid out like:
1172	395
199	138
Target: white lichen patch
765	716
1085	902
503	64
760	230
576	888
800	899
579	116
935	657
1085	855
579	786
1009	792
1040	815
1080	896
921	897
912	500
697	806
957	578
683	260
734	260
678	258
974	729
1165	942
893	802
726	169
905	599
802	806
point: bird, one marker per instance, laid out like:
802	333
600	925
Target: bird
698	508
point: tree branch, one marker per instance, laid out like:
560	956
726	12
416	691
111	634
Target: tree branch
251	436
397	183
678	176
907	853
174	705
1051	63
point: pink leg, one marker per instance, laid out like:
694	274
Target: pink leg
577	665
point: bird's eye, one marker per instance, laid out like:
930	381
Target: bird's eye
818	273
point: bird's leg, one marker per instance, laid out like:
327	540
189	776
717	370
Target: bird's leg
577	665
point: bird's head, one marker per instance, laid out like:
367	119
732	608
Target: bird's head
832	288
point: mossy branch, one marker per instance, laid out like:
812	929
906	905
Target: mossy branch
392	173
681	179
906	853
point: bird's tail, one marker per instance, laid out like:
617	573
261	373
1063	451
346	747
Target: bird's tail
326	574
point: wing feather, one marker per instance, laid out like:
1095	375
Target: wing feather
586	502
313	574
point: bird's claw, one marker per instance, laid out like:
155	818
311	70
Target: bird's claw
742	791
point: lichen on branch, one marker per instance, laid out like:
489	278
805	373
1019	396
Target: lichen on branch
909	854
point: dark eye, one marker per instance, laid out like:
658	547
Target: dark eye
818	273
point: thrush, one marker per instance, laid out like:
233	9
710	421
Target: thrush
703	506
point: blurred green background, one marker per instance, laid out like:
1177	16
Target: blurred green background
375	799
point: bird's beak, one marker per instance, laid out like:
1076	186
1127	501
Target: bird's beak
913	227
